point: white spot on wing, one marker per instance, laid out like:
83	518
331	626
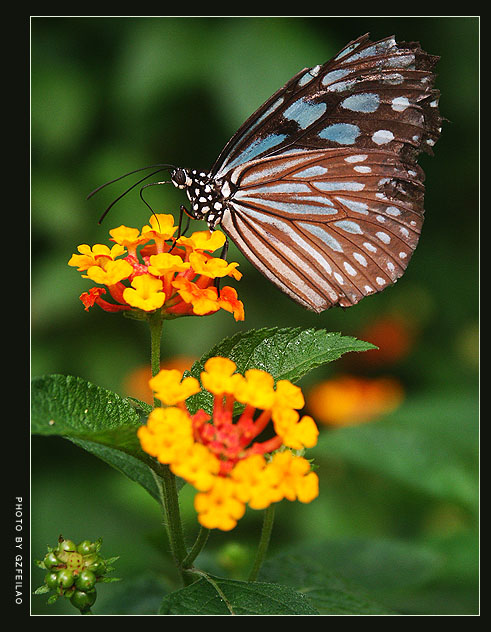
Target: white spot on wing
382	136
399	104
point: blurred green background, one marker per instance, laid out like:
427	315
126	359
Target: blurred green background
113	94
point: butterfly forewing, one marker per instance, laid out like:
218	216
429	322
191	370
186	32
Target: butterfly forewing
320	188
370	95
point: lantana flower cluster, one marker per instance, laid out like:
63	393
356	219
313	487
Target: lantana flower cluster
254	460
151	270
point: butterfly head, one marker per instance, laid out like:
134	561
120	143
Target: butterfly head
205	194
180	178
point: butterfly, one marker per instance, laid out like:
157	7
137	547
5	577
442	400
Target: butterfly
320	188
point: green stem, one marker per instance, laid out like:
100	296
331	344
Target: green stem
263	542
197	547
166	483
155	322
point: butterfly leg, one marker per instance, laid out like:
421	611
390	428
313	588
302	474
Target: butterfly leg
183	211
223	255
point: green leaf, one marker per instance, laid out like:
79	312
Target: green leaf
97	420
429	444
329	592
288	353
41	590
367	567
215	596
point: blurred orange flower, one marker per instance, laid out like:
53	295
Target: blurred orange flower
349	400
393	336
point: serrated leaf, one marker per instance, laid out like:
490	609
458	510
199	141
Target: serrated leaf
215	596
287	353
97	420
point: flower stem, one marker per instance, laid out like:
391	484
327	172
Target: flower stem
197	547
166	483
263	542
155	322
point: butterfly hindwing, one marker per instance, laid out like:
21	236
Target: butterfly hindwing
344	223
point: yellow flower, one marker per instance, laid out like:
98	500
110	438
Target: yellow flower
257	389
257	483
220	455
229	302
218	377
89	257
288	395
296	481
218	508
165	263
198	466
167	434
203	240
169	388
111	273
170	283
161	227
203	300
296	433
128	237
213	267
145	293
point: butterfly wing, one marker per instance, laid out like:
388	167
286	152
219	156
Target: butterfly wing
327	197
328	227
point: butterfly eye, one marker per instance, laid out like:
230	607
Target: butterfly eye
179	178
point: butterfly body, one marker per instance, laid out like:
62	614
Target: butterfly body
320	188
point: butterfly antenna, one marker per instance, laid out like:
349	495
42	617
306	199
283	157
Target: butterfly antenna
151	184
163	167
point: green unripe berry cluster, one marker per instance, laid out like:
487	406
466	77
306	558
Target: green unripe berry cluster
73	571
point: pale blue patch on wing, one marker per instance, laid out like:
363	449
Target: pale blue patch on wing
334	75
280	187
300	207
342	133
363	102
323	235
349	227
347	50
340	186
304	112
258	147
354	205
376	49
311	172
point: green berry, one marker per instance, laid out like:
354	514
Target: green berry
65	578
51	580
86	581
81	599
67	545
98	567
86	547
51	560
